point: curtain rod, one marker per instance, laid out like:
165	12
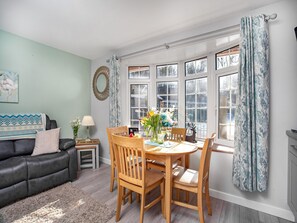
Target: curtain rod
191	39
270	17
186	40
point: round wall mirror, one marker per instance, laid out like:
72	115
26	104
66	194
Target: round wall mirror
101	83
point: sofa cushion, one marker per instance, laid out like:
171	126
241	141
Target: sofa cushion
47	142
6	149
42	165
12	171
24	146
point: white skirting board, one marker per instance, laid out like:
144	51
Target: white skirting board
104	160
269	209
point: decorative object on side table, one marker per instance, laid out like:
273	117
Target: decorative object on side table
75	124
155	120
88	121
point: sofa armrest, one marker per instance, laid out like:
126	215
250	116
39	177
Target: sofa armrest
65	144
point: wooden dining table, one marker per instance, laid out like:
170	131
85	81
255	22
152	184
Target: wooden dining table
169	154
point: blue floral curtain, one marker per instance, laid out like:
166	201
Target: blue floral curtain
114	95
250	160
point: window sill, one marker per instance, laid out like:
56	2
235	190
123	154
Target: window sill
218	148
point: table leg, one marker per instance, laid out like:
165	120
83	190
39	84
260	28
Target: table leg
187	161
97	156
168	188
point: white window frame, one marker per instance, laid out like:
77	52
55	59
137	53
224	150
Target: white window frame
212	76
220	73
194	77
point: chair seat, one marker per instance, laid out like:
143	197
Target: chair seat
186	177
152	176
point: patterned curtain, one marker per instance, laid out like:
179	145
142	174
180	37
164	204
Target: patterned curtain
114	89
250	160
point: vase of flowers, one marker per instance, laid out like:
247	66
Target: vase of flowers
75	124
155	120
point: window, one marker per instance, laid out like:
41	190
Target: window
227	105
167	96
139	72
167	71
196	66
138	103
227	58
203	92
227	78
196	105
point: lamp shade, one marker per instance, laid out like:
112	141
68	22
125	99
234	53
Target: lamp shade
87	121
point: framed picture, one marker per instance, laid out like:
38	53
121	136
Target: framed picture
9	87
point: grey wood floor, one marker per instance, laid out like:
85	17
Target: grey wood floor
96	183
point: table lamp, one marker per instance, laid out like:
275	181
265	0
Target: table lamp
88	121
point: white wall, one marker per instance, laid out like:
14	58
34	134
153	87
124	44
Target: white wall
283	66
100	114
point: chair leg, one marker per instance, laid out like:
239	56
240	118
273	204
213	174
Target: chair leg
142	207
162	187
207	198
119	202
200	207
130	198
112	178
124	198
137	197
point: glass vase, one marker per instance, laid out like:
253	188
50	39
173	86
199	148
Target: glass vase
154	134
75	132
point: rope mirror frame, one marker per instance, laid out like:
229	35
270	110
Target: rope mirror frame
101	95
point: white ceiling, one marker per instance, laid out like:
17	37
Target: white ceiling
92	28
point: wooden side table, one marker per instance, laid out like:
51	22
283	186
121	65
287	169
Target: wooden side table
89	145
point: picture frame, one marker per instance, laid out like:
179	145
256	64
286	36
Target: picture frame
9	87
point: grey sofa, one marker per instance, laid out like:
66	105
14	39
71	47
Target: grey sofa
23	175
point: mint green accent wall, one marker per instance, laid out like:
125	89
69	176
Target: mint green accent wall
50	80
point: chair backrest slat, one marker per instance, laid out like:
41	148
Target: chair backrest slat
127	152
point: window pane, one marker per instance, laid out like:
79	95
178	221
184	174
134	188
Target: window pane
167	97
227	58
227	105
190	101
196	66
138	103
172	88
139	72
190	115
190	86
167	70
196	105
201	100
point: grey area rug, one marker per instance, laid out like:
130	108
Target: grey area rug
65	204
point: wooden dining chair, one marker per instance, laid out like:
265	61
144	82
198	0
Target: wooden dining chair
132	176
195	181
121	130
177	135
